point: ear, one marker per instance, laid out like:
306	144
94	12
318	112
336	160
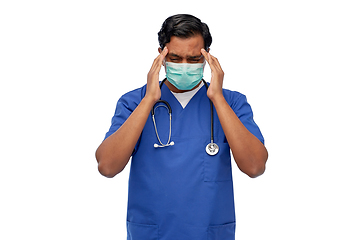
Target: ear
208	50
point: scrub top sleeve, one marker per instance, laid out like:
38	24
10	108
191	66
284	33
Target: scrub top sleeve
244	112
125	106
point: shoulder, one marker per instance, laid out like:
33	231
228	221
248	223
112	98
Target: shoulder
136	93
124	107
233	97
132	98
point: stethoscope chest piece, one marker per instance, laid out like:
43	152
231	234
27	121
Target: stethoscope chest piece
212	149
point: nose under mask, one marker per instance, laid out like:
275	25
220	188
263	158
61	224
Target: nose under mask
184	76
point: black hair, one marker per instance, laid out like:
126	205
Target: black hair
184	26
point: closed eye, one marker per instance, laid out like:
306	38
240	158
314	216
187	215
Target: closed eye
194	60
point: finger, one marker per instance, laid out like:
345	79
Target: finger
205	54
155	64
208	58
163	55
216	62
164	52
158	60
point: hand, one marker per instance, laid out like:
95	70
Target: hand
217	76
153	88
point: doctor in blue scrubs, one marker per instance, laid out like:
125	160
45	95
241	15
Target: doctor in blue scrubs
180	186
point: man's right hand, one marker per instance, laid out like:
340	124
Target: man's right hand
114	152
153	89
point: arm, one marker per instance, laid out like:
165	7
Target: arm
114	152
249	153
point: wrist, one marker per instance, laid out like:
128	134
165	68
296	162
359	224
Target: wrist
217	99
150	100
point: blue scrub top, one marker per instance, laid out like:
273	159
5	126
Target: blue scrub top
180	192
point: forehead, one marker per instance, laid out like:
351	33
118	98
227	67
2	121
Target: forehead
186	46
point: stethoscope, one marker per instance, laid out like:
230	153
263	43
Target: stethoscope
211	149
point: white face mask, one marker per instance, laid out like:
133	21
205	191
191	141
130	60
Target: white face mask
184	76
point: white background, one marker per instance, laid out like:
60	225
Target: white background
64	64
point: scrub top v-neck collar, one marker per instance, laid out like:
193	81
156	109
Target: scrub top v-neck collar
185	97
176	106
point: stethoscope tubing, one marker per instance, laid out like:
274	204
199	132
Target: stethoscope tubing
209	148
170	110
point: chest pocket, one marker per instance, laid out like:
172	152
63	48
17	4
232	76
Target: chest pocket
218	168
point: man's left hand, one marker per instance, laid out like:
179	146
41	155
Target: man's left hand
217	76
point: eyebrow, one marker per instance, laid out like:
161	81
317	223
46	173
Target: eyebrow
174	55
194	57
189	57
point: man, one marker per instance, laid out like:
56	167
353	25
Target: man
177	190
